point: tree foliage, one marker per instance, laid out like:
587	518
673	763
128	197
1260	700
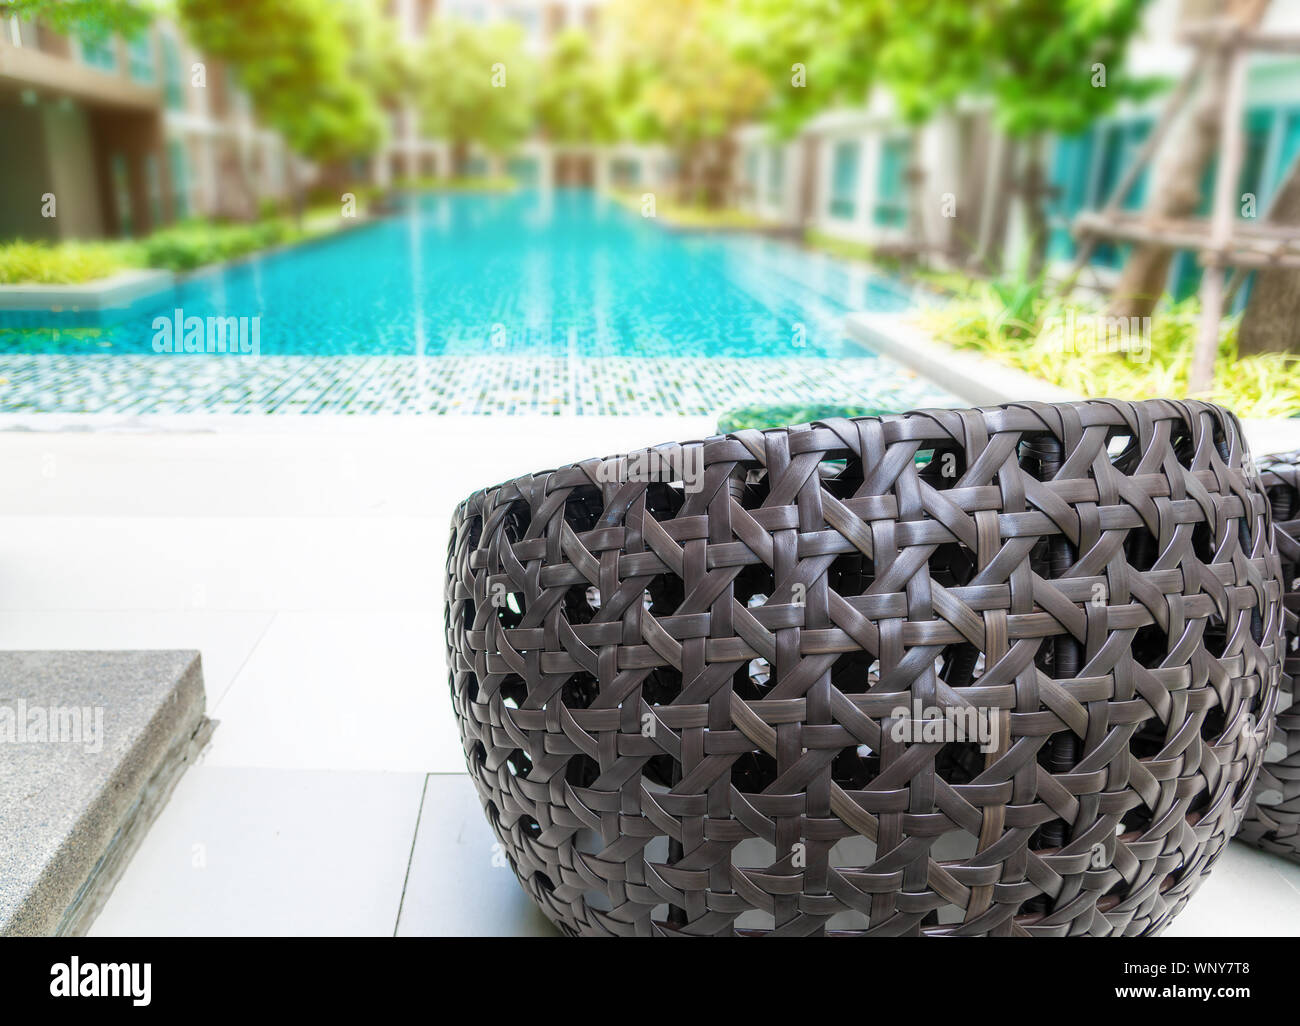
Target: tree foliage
478	84
682	77
295	59
89	19
1035	61
814	54
380	60
577	93
1046	65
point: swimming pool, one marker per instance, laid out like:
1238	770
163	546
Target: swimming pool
532	289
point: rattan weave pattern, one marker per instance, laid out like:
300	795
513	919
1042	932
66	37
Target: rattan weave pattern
1273	820
685	679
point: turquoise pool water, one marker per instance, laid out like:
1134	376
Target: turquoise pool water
555	274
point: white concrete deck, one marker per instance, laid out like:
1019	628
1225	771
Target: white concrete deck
305	560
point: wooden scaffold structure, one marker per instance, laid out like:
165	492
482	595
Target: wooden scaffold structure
1223	241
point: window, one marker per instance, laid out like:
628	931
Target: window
1254	177
1272	138
173	87
844	180
1118	144
1085	171
891	183
139	53
98	53
1288	143
1068	180
751	169
179	172
776	175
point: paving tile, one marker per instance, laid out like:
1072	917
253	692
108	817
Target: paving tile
271	853
343	690
219	563
454	888
327	466
224	638
1249	893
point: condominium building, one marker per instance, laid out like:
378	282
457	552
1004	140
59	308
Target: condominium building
862	175
123	135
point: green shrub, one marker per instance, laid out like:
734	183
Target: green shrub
957	283
1023	330
764	417
848	250
466	183
69	263
193	244
695	216
180	247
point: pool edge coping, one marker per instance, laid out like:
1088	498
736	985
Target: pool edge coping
131	285
119	289
975	380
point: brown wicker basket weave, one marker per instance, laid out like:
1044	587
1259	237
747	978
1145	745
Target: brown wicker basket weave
1273	820
1002	671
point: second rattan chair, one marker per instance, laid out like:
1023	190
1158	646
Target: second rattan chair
1006	671
1273	822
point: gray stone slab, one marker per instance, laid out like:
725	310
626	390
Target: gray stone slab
91	744
255	852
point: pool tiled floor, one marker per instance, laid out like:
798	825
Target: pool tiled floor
617	386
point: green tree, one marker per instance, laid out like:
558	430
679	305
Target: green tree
478	87
380	60
295	59
684	84
1050	67
1178	178
92	19
1034	61
576	93
815	54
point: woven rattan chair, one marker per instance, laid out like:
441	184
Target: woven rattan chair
1273	821
1005	671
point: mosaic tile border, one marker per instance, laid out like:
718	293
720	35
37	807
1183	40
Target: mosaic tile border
619	386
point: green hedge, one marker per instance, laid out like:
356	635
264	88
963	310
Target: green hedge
781	415
187	246
1020	326
181	247
69	263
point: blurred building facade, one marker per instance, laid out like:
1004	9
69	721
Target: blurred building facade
948	187
125	134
